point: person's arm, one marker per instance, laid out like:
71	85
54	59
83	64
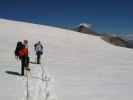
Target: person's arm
42	47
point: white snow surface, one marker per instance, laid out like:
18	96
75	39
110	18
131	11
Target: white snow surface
77	66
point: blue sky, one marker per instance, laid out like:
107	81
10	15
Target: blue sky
105	15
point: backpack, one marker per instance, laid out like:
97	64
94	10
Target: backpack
18	48
38	48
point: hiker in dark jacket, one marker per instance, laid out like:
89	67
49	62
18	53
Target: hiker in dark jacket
38	47
22	53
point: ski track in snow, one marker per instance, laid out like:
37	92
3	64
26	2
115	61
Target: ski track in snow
39	87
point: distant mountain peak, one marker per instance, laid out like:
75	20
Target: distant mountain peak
85	25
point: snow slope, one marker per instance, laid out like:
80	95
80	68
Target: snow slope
78	66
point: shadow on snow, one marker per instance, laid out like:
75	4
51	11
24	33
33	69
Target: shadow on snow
13	73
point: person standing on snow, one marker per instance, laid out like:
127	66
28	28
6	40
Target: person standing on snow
38	47
25	43
22	53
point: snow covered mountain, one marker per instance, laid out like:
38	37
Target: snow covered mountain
78	66
86	28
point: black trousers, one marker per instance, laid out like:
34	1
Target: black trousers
24	64
38	57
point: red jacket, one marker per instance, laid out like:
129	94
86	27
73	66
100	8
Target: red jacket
23	52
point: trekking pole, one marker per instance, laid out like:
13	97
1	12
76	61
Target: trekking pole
27	86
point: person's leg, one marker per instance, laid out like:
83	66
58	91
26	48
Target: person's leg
27	63
38	58
22	66
28	60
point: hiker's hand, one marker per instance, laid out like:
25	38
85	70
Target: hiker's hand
16	57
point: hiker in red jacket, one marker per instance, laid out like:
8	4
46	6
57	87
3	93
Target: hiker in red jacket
22	53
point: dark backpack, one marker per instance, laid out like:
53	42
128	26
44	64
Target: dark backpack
18	48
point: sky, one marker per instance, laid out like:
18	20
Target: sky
114	16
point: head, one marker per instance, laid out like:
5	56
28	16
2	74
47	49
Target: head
39	42
25	41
